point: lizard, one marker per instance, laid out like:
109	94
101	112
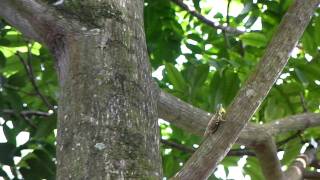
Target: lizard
215	121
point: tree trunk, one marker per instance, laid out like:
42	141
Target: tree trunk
107	122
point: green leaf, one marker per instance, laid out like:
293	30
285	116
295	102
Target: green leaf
15	100
194	48
232	85
7	151
316	32
215	94
3	174
301	76
38	167
46	127
175	77
29	174
198	77
18	80
223	87
247	8
309	44
272	110
10	134
47	159
292	150
254	39
251	21
2	60
253	169
195	37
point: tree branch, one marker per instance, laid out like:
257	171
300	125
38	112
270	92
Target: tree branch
29	70
309	175
216	146
296	170
186	149
17	18
266	152
205	20
35	19
258	137
195	120
178	146
26	113
293	123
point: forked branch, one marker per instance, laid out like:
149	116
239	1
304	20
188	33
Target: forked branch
215	147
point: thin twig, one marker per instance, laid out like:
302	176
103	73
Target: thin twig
228	9
186	149
225	35
285	141
303	102
26	113
28	68
207	21
177	146
8	86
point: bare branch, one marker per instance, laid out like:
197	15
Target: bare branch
293	123
216	146
182	114
258	137
310	175
266	152
195	120
178	146
186	149
35	19
26	113
29	70
206	20
14	16
303	103
296	170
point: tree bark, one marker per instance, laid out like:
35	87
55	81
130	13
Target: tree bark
107	118
107	121
107	126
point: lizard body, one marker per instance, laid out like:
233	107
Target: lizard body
215	121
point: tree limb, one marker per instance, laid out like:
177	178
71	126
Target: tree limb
296	170
259	137
26	113
29	70
35	19
266	152
216	146
186	149
310	175
206	20
293	123
195	120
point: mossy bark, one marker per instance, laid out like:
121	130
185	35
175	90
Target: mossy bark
107	123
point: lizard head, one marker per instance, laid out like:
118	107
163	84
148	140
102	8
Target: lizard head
220	110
